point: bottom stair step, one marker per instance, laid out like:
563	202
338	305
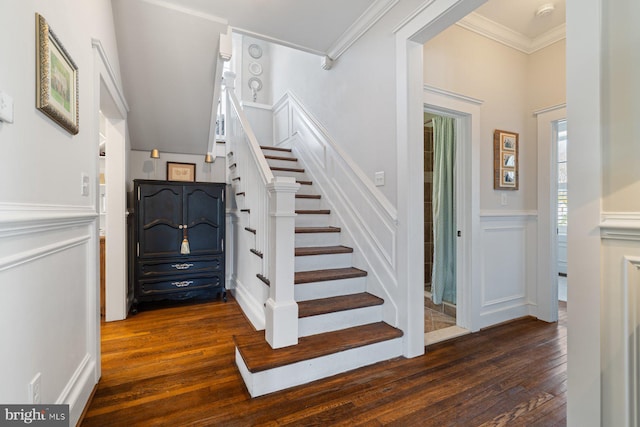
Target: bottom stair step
265	370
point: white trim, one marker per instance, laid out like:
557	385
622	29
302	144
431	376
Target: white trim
277	41
25	257
187	11
453	95
485	27
79	388
122	101
19	219
413	15
251	307
488	214
631	345
256	105
620	226
549	109
368	19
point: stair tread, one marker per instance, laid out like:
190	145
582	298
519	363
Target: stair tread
259	356
266	147
281	169
287	159
304	182
323	250
308	196
327	274
335	304
313	211
317	229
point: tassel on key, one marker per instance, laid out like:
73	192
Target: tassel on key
184	248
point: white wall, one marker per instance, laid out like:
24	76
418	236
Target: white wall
142	166
355	100
48	231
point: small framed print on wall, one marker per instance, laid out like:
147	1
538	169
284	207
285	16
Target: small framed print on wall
181	171
505	160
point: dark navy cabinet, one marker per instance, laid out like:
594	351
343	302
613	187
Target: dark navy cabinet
179	240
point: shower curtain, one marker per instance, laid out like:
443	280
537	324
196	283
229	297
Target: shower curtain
443	281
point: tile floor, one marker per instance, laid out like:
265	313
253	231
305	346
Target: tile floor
437	316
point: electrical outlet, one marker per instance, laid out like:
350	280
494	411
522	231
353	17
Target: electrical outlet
379	179
504	200
35	390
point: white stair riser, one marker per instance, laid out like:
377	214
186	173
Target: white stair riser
322	262
308	204
312	220
303	240
264	382
283	163
297	175
339	320
329	288
306	189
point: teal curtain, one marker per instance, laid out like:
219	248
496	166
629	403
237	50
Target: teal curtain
443	280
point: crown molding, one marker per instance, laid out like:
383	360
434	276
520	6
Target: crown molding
359	28
452	95
275	40
508	37
620	225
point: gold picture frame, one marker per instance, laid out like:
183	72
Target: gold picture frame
56	79
505	160
181	172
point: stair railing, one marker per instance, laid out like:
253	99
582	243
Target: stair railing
271	204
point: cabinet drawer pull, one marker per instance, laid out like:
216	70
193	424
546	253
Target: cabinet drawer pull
182	266
182	284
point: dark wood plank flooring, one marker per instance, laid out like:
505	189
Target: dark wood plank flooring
175	367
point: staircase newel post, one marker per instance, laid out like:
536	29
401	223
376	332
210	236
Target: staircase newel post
281	329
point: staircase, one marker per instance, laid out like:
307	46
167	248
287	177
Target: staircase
340	325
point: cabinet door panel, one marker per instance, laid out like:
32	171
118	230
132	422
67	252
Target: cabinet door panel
160	220
204	216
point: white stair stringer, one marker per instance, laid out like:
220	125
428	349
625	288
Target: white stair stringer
280	378
328	322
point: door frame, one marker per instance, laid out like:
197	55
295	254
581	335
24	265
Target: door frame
547	287
466	111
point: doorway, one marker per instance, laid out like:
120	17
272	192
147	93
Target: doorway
440	304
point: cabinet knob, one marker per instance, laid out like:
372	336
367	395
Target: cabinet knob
180	226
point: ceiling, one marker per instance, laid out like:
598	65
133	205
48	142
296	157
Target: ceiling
168	52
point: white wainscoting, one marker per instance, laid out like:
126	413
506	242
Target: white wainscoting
49	307
367	218
508	266
620	307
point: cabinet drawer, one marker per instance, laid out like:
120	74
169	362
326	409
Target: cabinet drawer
181	285
156	268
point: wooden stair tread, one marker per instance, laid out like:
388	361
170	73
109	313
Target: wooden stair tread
287	159
313	211
251	230
327	274
266	147
335	304
263	279
279	169
259	356
304	182
308	196
317	229
323	250
256	252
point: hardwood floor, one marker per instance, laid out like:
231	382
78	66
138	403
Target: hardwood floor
175	366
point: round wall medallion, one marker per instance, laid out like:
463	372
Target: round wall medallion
255	68
255	84
255	51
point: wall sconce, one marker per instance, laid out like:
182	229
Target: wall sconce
155	155
209	158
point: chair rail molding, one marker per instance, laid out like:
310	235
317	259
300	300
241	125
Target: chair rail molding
620	226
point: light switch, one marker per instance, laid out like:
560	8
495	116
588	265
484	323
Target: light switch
6	108
84	189
379	179
504	201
